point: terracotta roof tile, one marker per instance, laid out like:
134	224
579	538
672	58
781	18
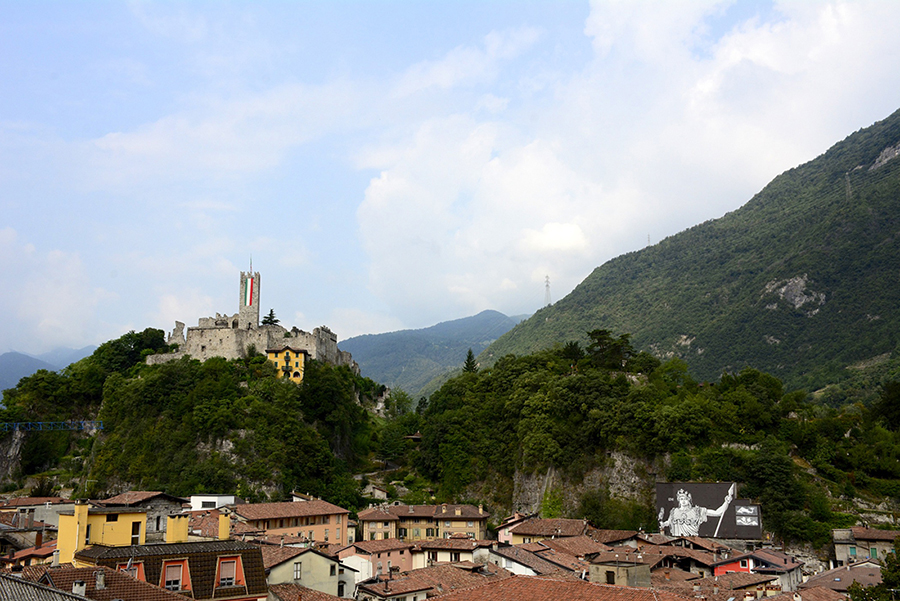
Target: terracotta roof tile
296	592
137	496
550	527
435	580
527	558
816	593
540	588
862	533
380	546
29	501
286	509
612	536
272	556
448	511
839	579
117	585
579	546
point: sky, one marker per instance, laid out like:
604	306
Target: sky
391	165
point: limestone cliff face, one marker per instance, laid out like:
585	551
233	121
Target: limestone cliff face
625	477
11	454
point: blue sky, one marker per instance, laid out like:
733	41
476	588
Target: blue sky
391	165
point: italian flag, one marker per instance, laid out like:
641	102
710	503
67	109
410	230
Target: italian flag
248	292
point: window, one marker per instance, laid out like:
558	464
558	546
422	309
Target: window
87	535
454	556
470	523
227	570
429	532
874	552
135	533
173	577
298	570
852	551
432	556
326	535
743	563
338	520
158	519
527	539
378	571
340	589
208	505
371	536
610	577
417	533
401	532
333	570
389	565
112	517
446	524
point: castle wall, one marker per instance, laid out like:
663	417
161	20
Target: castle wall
229	336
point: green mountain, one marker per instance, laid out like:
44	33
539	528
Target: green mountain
410	359
800	282
15	366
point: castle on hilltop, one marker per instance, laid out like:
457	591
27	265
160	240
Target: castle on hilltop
230	336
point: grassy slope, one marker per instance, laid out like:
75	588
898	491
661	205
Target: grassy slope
707	285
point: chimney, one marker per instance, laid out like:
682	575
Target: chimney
480	509
411	509
696	588
224	527
668	575
716	589
458	511
177	528
55	561
39	539
100	576
444	508
79	588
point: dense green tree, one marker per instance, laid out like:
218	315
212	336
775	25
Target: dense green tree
269	319
470	366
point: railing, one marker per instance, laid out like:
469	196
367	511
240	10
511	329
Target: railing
39	426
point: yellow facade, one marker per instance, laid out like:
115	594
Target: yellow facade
87	526
289	362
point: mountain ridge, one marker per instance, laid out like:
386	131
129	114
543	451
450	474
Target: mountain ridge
764	284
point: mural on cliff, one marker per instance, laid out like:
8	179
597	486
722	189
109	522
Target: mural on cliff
708	510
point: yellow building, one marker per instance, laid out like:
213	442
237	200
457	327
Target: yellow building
288	361
115	527
423	522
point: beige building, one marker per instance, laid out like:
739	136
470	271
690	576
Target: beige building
316	520
423	522
856	544
308	567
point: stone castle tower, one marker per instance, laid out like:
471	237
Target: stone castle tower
248	306
230	336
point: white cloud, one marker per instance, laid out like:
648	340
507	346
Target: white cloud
466	65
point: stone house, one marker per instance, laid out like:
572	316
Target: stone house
158	506
858	543
317	520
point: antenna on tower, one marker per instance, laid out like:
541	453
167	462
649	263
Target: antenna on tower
251	262
547	291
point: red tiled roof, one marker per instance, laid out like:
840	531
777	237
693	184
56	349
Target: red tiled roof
117	585
454	544
702	557
20	520
272	556
437	579
612	536
862	533
296	592
204	522
550	527
664	576
839	579
42	552
30	501
564	560
380	546
137	496
286	509
579	546
540	588
527	558
442	512
816	593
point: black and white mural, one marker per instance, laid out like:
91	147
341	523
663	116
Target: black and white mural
708	510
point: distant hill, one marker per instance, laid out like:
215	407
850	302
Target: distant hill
410	359
15	366
800	282
63	357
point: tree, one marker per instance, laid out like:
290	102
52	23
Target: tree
470	365
609	352
270	319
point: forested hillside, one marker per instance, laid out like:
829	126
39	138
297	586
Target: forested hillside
561	414
188	427
799	282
